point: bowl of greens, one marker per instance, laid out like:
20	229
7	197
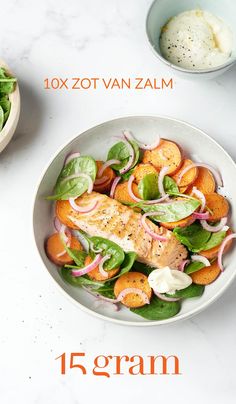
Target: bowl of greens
134	220
9	105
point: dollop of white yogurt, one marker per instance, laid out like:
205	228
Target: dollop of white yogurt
167	280
196	39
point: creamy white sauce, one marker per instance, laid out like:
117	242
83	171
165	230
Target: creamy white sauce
167	280
196	39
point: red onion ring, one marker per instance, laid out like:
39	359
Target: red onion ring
215	173
100	266
201	196
87	268
165	298
221	249
82	209
183	265
161	176
113	187
131	157
201	216
214	229
73	176
137	291
57	224
108	163
128	135
151	233
70	157
200	258
101	180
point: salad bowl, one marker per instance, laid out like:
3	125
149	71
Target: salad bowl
96	142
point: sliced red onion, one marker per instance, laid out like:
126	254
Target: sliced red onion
137	291
82	175
70	157
113	187
201	216
201	196
83	240
165	298
214	229
101	303
161	176
131	157
221	249
66	238
215	173
87	268
200	258
108	163
151	233
101	180
100	266
57	224
183	265
128	135
82	209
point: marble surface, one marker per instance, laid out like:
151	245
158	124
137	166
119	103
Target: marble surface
94	38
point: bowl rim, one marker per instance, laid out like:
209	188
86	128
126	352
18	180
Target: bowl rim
13	117
174	66
89	311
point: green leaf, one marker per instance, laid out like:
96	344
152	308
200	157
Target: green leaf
158	309
107	290
193	267
7	83
148	187
75	187
78	280
194	236
109	248
143	268
172	212
191	291
77	255
120	151
170	185
126	176
127	264
215	240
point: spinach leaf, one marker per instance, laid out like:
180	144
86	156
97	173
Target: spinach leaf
158	309
75	187
194	267
109	248
196	239
127	264
107	290
120	151
171	212
148	187
215	240
1	117
170	185
194	236
6	106
7	83
77	255
192	290
143	268
126	176
78	280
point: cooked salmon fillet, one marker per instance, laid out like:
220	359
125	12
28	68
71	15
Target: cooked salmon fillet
121	224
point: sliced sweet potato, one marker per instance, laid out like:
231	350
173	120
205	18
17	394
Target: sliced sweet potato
106	186
122	193
95	274
141	170
63	210
218	205
206	275
54	246
187	178
180	223
213	252
204	182
133	280
166	154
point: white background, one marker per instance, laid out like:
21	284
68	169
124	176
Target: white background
86	38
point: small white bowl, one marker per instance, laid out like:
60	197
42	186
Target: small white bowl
162	10
96	142
10	126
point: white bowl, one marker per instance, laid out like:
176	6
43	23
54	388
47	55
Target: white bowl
96	142
10	126
161	10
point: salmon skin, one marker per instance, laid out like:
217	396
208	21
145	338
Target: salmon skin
122	225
